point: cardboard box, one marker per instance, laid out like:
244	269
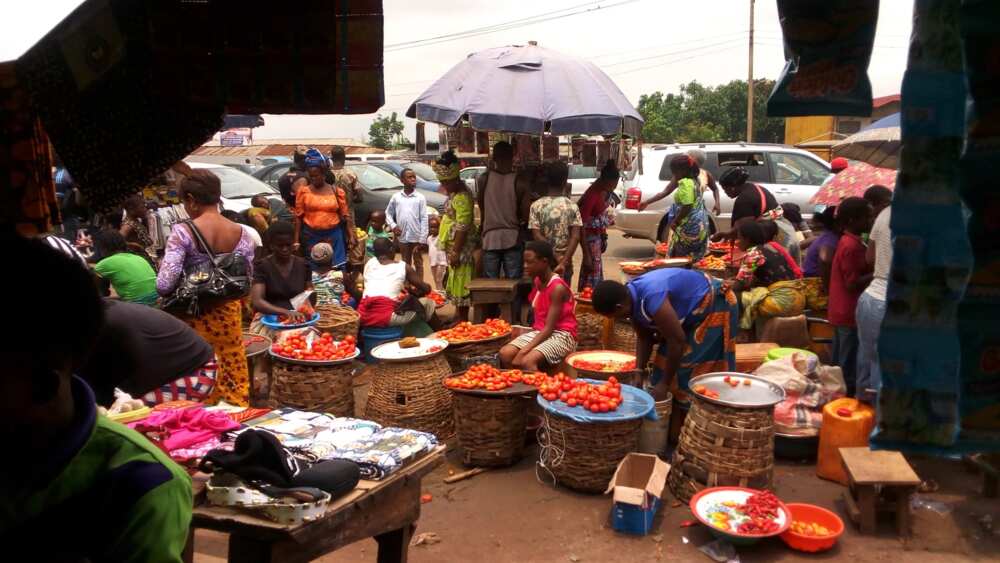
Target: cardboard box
637	484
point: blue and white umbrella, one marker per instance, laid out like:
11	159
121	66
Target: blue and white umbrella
878	144
528	89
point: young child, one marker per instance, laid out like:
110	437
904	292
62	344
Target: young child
376	229
259	214
849	277
437	257
406	216
327	282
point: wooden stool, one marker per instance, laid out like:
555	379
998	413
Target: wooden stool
488	291
878	481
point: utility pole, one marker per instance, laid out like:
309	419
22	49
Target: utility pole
750	82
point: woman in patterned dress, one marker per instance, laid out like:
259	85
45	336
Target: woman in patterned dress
220	322
457	236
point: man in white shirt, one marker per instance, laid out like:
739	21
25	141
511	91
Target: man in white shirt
406	217
871	307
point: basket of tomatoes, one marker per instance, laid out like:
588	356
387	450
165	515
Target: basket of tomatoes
601	364
491	413
313	372
468	340
589	425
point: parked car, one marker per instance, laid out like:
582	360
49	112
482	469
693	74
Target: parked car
791	174
377	187
237	186
469	175
426	178
580	178
366	157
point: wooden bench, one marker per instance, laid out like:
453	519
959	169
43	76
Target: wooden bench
878	481
485	292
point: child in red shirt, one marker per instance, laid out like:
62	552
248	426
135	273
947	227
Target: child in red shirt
849	277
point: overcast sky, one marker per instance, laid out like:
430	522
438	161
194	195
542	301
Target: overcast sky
644	45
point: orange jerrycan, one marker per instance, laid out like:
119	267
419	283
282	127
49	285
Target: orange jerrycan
847	423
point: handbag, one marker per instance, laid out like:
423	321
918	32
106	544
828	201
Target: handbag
224	277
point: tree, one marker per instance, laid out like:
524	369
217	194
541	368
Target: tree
386	132
709	114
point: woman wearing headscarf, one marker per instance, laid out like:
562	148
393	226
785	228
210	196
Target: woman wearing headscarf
769	282
457	236
327	282
322	212
221	323
596	220
688	221
705	181
755	203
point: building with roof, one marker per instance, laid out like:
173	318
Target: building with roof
818	133
265	151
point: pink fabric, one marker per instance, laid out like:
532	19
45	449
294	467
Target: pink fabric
198	451
542	298
183	428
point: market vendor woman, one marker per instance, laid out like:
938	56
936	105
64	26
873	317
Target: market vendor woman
691	316
554	334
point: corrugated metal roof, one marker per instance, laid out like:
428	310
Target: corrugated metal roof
247	151
287	150
879	102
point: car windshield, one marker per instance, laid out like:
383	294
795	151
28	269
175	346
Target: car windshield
236	184
375	178
422	171
577	172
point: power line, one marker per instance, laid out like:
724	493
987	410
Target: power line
484	28
698	48
523	22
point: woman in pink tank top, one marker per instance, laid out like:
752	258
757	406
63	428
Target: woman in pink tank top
554	331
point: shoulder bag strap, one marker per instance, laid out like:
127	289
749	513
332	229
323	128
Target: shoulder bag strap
763	199
200	239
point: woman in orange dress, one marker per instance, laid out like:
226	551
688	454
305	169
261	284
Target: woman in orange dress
322	212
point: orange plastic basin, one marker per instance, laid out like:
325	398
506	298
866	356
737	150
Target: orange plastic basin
813	514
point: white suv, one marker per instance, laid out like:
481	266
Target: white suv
791	174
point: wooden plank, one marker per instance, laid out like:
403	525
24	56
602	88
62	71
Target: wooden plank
903	495
392	510
866	504
853	512
878	468
490	297
493	284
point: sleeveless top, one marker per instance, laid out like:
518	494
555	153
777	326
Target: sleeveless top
541	298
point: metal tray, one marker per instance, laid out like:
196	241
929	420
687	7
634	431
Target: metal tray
760	393
391	352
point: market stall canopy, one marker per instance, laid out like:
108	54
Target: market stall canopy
878	144
126	89
852	182
528	89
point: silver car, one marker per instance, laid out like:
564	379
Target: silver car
792	175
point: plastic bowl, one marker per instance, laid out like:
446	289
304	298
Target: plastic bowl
819	515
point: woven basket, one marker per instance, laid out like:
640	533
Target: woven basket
589	328
410	395
584	456
338	321
327	389
490	430
458	354
723	446
622	337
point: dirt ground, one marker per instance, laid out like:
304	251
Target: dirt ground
509	515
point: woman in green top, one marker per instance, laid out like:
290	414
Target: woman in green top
131	276
689	220
457	236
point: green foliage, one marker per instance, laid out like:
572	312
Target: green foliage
387	132
709	114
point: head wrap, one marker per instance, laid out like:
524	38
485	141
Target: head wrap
447	167
315	158
839	164
321	252
734	177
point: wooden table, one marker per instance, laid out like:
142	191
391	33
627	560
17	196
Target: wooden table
386	510
488	291
874	476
